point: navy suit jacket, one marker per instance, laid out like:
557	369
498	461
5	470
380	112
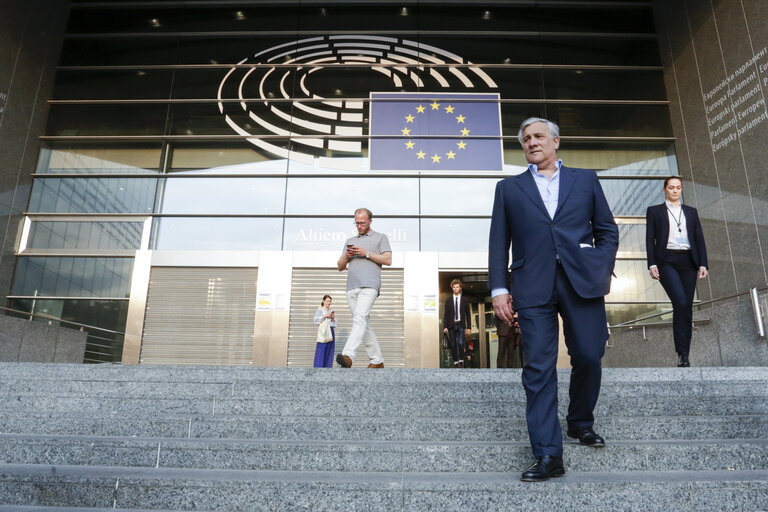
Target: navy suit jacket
657	235
582	234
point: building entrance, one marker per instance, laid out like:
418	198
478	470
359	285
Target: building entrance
482	345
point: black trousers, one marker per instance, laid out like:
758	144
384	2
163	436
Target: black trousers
678	276
458	340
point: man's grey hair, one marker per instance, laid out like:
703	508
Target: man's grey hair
366	210
554	130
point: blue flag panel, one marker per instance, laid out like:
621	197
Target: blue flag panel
435	132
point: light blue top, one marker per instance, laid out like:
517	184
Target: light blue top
549	189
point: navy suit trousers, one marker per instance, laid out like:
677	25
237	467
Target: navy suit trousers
585	329
678	275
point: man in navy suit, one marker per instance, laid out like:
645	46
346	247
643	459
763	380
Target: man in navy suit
457	323
564	242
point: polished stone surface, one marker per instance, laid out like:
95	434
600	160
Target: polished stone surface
173	437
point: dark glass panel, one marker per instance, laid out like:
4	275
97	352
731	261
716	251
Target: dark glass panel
576	51
106	119
94	51
594	120
603	85
92	195
112	84
103	315
73	277
85	235
204	18
541	17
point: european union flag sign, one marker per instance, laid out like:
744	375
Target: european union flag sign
435	132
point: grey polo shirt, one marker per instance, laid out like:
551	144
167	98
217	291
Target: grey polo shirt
364	273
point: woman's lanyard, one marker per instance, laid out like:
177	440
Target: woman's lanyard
677	220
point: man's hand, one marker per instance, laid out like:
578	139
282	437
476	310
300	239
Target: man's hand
356	251
445	330
502	306
468	332
703	272
654	271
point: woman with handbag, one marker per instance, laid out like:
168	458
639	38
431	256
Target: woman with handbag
326	334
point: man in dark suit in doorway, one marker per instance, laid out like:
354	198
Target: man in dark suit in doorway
564	242
457	323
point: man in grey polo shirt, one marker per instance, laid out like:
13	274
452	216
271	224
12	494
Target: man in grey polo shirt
365	254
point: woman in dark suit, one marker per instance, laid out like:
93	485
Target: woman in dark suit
677	255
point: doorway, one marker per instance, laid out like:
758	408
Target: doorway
483	344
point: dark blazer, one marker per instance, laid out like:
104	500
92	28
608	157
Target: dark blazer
582	234
450	312
657	235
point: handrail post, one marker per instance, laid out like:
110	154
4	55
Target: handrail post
758	312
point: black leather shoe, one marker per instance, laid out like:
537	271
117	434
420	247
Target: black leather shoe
543	469
586	436
683	360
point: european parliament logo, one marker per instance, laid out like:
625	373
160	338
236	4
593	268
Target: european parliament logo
435	132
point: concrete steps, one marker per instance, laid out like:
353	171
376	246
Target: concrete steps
77	437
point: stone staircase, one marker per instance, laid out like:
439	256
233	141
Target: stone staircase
106	437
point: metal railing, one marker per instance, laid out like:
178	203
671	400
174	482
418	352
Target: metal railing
752	292
100	341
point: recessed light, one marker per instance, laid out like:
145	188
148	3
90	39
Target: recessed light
487	15
155	22
404	11
239	15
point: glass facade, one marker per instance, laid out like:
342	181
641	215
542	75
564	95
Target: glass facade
235	127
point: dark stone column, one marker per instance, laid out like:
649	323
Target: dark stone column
30	42
715	56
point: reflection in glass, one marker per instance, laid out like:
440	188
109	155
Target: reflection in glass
631	197
92	195
73	277
632	240
457	196
82	158
106	119
224	157
218	234
619	313
342	196
317	234
228	195
457	235
85	235
633	284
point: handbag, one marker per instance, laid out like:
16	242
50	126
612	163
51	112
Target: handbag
444	340
324	331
